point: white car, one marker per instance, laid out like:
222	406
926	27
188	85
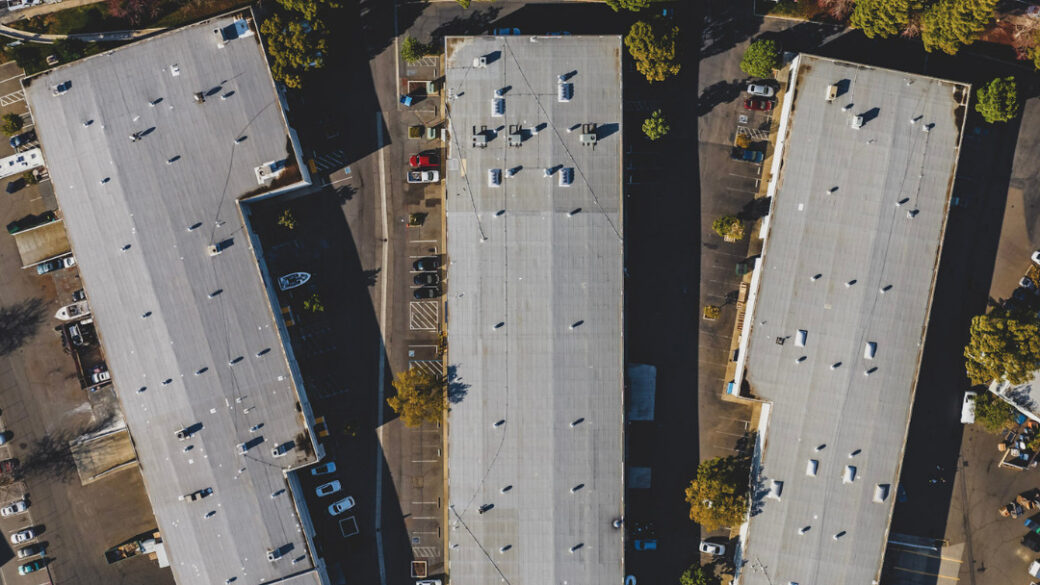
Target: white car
99	377
14	508
712	548
341	506
1036	257
324	469
760	90
327	489
968	408
68	261
23	536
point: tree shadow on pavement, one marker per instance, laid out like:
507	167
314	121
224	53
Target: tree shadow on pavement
457	389
18	323
719	93
476	23
727	27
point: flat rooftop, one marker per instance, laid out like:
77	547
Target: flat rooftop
534	307
857	224
190	338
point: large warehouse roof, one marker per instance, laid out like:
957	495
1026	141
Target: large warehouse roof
149	147
535	309
846	282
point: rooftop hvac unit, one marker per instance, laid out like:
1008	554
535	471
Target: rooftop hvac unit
494	177
480	62
566	176
498	107
564	91
856	122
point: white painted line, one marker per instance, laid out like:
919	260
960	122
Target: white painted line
424	503
382	344
20	75
425	460
423	518
422	241
348	177
410	345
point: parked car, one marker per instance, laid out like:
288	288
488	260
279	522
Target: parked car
428	264
62	88
498	32
341	506
422	160
31	567
23	139
50	266
23	536
427	292
68	261
754	156
5	436
760	90
1036	257
30	551
646	544
8	466
712	548
759	104
426	278
424	176
968	408
14	508
327	489
324	468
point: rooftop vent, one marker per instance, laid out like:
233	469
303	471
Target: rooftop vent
480	62
498	107
239	28
799	339
856	122
832	92
881	492
494	177
812	467
566	176
564	91
175	69
850	474
775	489
269	171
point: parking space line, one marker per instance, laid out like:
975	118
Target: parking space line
20	75
423	316
425	460
422	241
914	552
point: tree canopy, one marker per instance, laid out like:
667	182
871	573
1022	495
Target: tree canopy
295	45
655	126
948	25
633	5
12	123
883	18
309	9
698	575
718	497
997	101
655	49
412	50
419	398
761	58
992	413
1002	348
728	226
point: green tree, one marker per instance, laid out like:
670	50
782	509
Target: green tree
883	18
412	50
761	58
950	24
993	413
463	3
654	48
728	226
30	178
997	101
1002	348
698	575
295	45
633	5
655	126
419	398
287	220
12	123
718	497
309	8
314	304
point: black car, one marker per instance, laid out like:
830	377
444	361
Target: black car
427	292
23	139
426	278
426	264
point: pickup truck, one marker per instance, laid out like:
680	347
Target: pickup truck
423	176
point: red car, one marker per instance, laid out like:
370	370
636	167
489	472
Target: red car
760	104
8	465
421	160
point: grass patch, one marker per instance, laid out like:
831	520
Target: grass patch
90	18
96	18
804	10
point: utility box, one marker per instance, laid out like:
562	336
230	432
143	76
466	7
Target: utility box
832	92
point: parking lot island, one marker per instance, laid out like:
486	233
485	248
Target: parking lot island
152	148
534	309
838	311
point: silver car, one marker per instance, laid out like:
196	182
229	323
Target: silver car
327	489
341	506
14	508
760	90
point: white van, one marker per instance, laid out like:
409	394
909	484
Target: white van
968	408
